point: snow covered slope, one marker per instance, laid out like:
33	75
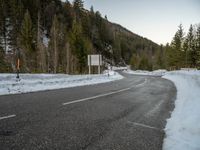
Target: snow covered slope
38	82
183	128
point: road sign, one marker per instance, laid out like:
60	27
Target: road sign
95	60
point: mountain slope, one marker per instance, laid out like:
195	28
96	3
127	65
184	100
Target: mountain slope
55	36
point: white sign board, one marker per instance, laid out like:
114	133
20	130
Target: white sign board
94	60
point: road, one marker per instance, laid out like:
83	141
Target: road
129	114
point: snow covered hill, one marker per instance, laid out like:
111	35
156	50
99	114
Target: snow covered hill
183	128
38	82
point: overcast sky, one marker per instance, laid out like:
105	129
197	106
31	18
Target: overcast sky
155	19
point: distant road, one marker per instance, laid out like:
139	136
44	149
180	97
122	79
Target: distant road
129	114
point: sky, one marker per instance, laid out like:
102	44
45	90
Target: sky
157	20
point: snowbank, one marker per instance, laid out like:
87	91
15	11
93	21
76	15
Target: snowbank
38	82
119	68
149	73
183	128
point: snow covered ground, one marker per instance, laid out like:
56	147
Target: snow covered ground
143	72
38	82
183	128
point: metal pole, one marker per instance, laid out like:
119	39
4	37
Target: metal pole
89	59
99	67
18	63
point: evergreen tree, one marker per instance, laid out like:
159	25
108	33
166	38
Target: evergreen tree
144	63
4	67
135	61
78	7
40	46
27	44
177	47
79	46
68	14
27	33
191	52
16	17
54	44
198	45
160	60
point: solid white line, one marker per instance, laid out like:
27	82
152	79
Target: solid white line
144	125
102	95
6	117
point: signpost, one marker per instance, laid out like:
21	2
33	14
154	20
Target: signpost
18	63
95	60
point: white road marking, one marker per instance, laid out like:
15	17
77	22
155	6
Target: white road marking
98	96
144	125
103	95
6	117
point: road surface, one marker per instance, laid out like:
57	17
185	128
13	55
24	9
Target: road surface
129	114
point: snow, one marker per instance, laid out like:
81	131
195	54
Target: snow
183	128
160	72
119	68
39	82
45	40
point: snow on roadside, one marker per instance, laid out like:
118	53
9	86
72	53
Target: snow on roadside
39	82
144	72
183	128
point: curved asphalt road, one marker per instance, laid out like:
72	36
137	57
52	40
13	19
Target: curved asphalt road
129	114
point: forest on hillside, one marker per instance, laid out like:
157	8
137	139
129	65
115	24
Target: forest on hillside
182	52
51	36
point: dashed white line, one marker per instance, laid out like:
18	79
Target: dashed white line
103	95
144	125
6	117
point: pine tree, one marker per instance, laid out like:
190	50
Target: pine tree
2	62
144	63
40	47
134	62
78	7
4	67
68	14
27	35
27	44
159	59
16	17
177	46
169	56
198	45
79	46
54	44
191	52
